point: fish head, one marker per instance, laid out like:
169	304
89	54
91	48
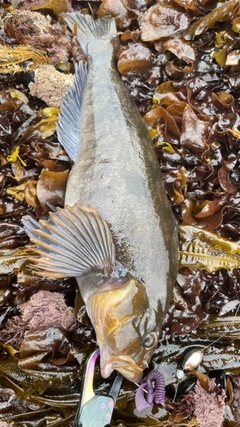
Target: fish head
126	328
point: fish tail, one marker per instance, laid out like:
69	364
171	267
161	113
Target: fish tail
90	30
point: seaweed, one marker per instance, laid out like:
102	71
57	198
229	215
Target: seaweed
200	249
12	58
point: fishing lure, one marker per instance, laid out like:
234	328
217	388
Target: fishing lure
152	390
195	356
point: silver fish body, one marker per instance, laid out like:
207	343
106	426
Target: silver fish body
116	173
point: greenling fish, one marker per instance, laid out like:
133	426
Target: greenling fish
116	234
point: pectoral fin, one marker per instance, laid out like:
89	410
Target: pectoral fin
72	242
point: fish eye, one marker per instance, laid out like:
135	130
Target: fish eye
150	340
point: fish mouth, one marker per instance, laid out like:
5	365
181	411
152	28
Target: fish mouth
125	365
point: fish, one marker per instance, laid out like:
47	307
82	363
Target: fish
116	233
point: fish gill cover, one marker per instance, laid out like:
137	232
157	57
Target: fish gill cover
180	61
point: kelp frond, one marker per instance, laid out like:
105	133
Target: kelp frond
12	58
201	249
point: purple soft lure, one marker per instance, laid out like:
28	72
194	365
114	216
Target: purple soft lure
154	385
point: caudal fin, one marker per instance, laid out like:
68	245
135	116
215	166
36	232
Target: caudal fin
89	30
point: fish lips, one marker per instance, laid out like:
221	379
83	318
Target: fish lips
123	364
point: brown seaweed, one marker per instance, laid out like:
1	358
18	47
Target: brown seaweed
11	59
200	249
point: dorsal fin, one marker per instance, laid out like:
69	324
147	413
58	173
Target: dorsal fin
69	123
72	242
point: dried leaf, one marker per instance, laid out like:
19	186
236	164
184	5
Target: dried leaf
12	235
236	25
135	59
30	192
224	180
208	208
161	92
202	24
57	6
51	188
163	20
116	8
159	118
47	126
17	192
208	214
234	132
137	6
14	156
13	259
233	58
176	185
220	56
179	47
195	132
